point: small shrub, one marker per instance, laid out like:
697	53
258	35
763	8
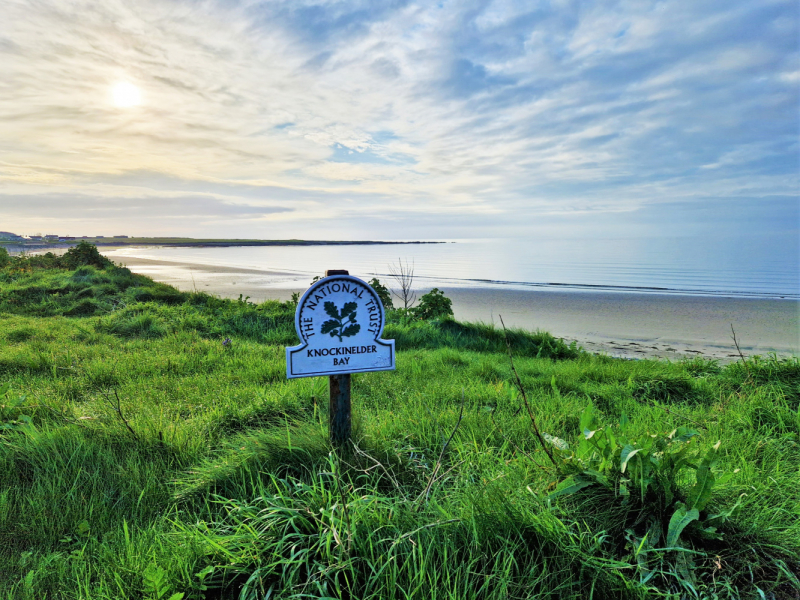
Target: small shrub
383	293
434	305
4	258
82	255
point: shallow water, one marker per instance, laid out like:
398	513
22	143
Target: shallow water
676	265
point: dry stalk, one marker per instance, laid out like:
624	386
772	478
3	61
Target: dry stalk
117	407
739	350
441	454
450	470
525	397
378	464
510	441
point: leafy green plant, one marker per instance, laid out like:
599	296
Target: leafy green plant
648	475
202	585
342	324
155	583
11	417
434	305
383	293
4	258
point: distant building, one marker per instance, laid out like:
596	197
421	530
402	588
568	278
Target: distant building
35	237
100	237
51	236
120	236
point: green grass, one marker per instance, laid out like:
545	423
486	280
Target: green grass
221	482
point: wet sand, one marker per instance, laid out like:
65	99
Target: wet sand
637	325
629	325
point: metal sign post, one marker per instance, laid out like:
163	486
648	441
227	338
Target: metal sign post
339	320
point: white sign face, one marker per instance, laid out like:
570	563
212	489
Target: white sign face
340	320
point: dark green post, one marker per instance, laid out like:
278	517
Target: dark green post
339	409
339	403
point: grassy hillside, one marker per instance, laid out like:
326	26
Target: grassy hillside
143	457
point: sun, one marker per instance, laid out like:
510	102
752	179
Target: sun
126	95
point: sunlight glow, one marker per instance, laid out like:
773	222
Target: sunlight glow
126	95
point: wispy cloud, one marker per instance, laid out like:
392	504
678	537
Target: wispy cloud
467	112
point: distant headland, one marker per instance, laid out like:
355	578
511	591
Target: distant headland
39	241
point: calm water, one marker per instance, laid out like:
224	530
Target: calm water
660	266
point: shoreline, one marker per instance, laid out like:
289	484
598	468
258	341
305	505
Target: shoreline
14	246
620	324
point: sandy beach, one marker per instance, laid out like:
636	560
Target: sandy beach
629	325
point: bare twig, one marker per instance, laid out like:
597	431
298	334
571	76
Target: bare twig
450	470
378	464
441	454
117	407
739	350
404	276
525	397
510	441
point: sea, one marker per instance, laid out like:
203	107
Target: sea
660	266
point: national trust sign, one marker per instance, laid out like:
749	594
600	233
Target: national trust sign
339	320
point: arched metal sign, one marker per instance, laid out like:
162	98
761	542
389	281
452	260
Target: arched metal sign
339	321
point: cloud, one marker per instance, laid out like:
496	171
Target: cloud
72	207
474	112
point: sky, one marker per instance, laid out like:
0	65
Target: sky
401	120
